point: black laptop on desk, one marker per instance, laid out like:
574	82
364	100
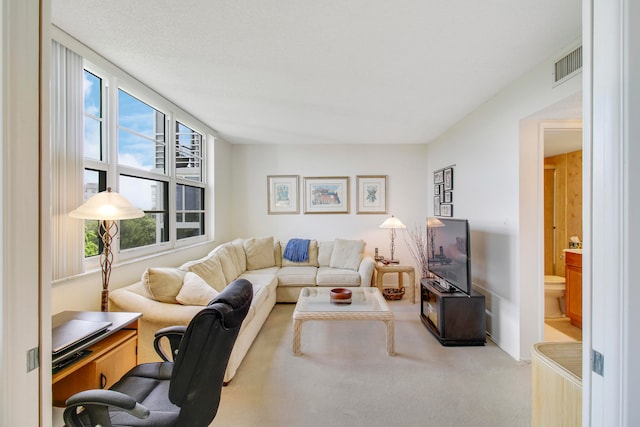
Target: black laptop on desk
73	332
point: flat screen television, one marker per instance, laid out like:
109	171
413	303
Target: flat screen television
449	253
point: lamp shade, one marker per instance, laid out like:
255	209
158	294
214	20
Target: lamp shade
392	222
107	205
434	222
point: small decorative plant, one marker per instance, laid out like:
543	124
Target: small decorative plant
417	243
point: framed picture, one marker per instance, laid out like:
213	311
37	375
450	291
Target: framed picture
438	177
371	192
436	190
448	179
446	210
448	197
326	195
283	194
436	206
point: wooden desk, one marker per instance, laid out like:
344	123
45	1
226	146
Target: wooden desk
111	354
382	269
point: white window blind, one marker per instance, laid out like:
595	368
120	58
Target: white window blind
67	234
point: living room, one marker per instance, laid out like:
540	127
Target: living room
486	143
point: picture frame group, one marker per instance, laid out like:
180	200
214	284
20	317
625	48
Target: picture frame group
443	192
326	194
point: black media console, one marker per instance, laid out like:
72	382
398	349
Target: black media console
453	318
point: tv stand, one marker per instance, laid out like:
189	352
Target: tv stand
454	318
443	289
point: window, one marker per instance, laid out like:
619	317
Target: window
94	182
189	211
189	194
188	153
141	134
135	159
150	196
93	122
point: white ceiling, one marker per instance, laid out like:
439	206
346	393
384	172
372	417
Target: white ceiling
559	141
335	72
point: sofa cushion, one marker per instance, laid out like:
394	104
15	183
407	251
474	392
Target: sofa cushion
297	276
346	254
260	253
163	283
328	276
228	261
195	291
324	253
210	269
264	277
238	246
311	261
260	294
277	253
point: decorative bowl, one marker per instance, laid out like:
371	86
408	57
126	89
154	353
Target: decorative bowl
340	296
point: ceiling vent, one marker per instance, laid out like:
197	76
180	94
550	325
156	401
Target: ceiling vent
567	66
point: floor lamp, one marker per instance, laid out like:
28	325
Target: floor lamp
392	224
108	207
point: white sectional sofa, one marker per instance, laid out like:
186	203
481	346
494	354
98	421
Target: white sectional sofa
172	296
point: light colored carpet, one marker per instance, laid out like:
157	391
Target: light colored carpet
346	378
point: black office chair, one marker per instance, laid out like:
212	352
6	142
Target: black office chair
185	392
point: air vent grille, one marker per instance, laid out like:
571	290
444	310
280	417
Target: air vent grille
568	66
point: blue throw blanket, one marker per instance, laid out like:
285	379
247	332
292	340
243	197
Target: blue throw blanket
297	250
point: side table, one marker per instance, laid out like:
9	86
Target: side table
382	269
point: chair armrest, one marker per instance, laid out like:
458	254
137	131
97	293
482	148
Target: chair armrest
174	335
96	404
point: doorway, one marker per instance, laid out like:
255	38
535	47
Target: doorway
562	214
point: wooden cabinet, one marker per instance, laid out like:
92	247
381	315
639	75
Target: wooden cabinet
556	375
106	358
453	318
573	288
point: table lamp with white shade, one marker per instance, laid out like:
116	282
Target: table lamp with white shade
392	223
108	207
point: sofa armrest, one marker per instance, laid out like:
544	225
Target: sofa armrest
153	311
367	265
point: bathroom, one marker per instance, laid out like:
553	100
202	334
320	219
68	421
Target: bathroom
562	234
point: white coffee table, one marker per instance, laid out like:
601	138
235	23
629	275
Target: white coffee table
366	304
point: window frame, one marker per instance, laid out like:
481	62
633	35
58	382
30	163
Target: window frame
114	80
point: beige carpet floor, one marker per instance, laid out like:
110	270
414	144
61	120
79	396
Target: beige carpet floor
346	378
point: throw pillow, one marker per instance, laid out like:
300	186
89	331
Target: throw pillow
259	253
324	253
208	268
230	265
195	291
163	283
346	254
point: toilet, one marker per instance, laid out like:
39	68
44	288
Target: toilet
554	297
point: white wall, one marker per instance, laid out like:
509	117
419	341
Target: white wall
407	197
485	149
19	220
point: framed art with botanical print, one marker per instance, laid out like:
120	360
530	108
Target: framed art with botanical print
282	194
371	191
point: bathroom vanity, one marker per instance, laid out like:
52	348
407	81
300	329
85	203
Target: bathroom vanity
573	292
